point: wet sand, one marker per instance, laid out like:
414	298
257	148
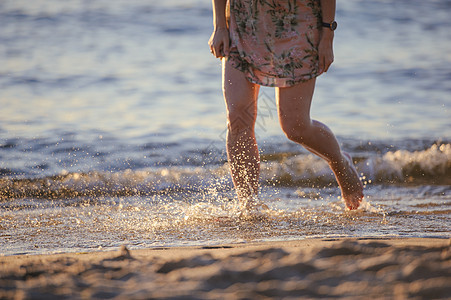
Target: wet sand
313	268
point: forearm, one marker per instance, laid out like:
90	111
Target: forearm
328	10
219	41
325	48
219	14
328	15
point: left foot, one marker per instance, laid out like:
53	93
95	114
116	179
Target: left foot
252	203
252	207
349	182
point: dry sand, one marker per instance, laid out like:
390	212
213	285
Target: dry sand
312	268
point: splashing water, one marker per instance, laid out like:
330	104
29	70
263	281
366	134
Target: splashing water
108	138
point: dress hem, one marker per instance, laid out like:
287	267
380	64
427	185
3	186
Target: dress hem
271	81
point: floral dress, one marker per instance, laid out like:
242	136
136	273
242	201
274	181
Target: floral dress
275	42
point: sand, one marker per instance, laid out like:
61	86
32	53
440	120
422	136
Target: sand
361	268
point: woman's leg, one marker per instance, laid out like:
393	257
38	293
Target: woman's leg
241	102
294	114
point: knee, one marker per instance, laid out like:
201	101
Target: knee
297	132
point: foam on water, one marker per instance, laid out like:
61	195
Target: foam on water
112	129
430	166
90	224
433	165
186	205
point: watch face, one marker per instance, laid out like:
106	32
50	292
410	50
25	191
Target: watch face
333	25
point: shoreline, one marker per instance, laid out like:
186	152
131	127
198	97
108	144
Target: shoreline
308	268
234	248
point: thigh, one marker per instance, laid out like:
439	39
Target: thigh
239	93
294	103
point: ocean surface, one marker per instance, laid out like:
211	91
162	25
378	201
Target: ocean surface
112	129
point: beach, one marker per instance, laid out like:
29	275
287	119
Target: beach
114	180
352	268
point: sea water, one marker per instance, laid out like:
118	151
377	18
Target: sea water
112	129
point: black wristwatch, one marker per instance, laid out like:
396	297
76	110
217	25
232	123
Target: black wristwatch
332	25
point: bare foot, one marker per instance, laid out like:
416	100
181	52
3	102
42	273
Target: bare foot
252	208
252	203
349	182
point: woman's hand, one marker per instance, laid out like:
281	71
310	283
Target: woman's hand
219	42
325	50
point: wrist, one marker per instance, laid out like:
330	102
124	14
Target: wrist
327	34
220	23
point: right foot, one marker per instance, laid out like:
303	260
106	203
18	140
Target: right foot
349	182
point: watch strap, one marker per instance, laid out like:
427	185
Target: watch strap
332	25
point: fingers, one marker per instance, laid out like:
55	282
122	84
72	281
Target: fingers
226	47
217	52
219	43
327	62
325	53
324	63
321	66
221	49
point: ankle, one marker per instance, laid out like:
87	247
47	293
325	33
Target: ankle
339	163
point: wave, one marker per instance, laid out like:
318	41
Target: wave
428	167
